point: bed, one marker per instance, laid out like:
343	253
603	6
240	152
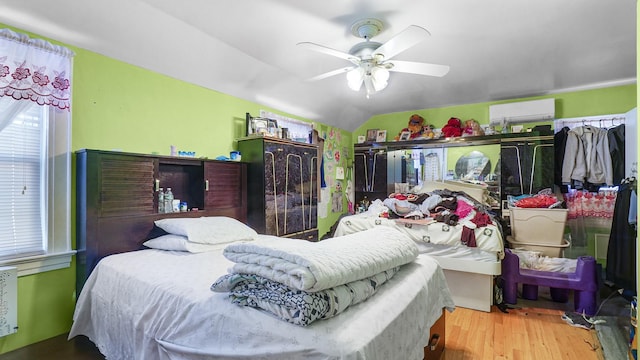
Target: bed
469	271
157	304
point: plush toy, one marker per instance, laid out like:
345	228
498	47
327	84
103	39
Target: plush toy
472	128
417	128
453	128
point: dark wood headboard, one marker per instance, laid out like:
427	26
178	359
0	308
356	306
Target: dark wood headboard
117	204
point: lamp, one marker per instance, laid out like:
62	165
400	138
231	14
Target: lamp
375	78
379	77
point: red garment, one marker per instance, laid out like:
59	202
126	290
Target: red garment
468	237
481	219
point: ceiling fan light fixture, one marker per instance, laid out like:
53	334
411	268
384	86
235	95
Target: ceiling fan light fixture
379	77
355	78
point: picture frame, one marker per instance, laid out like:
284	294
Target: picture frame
259	126
272	127
381	136
405	135
372	134
361	139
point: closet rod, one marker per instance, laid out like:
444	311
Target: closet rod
602	120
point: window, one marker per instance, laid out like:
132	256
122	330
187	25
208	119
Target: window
35	157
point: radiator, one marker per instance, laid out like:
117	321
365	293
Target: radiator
8	300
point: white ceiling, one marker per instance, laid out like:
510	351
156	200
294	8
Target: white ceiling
497	49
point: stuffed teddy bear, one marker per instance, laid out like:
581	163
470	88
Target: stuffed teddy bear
417	128
453	128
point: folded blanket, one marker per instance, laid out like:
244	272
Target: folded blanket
296	306
310	266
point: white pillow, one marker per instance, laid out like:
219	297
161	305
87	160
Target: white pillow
172	242
208	230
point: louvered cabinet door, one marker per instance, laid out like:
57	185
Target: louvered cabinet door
125	184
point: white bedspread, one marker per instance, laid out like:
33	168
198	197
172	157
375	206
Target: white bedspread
316	266
154	304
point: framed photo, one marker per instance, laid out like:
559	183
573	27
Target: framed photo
257	126
405	135
372	134
272	127
381	136
361	139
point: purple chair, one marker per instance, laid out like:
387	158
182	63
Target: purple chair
584	283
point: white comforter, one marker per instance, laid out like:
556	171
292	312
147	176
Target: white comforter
310	266
154	304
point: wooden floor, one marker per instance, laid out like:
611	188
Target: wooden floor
527	333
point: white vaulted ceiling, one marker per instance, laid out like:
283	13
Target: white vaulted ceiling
496	49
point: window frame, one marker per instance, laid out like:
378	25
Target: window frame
58	252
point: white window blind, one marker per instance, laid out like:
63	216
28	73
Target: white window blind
23	200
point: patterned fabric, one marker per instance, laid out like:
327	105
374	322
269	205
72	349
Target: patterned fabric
583	203
296	306
35	70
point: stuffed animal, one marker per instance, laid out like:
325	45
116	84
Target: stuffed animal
453	128
417	128
472	128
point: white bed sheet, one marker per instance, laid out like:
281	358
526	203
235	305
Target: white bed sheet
154	304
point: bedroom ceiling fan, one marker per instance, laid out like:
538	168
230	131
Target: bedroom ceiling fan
372	61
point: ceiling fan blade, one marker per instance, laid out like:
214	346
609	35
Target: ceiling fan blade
419	68
332	73
402	41
328	51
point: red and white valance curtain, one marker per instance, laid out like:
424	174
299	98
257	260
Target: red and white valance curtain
33	70
582	203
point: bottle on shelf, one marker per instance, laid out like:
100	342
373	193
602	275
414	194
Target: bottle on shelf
160	201
168	201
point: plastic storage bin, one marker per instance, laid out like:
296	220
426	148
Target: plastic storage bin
539	230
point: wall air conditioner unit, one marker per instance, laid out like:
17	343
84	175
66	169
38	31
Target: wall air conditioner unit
522	112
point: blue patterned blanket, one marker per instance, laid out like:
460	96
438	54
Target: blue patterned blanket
297	306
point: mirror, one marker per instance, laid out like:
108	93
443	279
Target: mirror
473	166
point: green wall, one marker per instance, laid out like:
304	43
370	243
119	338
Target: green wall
124	107
611	100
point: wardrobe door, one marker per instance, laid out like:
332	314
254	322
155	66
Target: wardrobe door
291	191
526	166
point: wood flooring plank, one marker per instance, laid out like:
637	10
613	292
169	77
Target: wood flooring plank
528	333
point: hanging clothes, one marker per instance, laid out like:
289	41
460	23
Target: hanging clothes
616	148
621	252
587	160
559	144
